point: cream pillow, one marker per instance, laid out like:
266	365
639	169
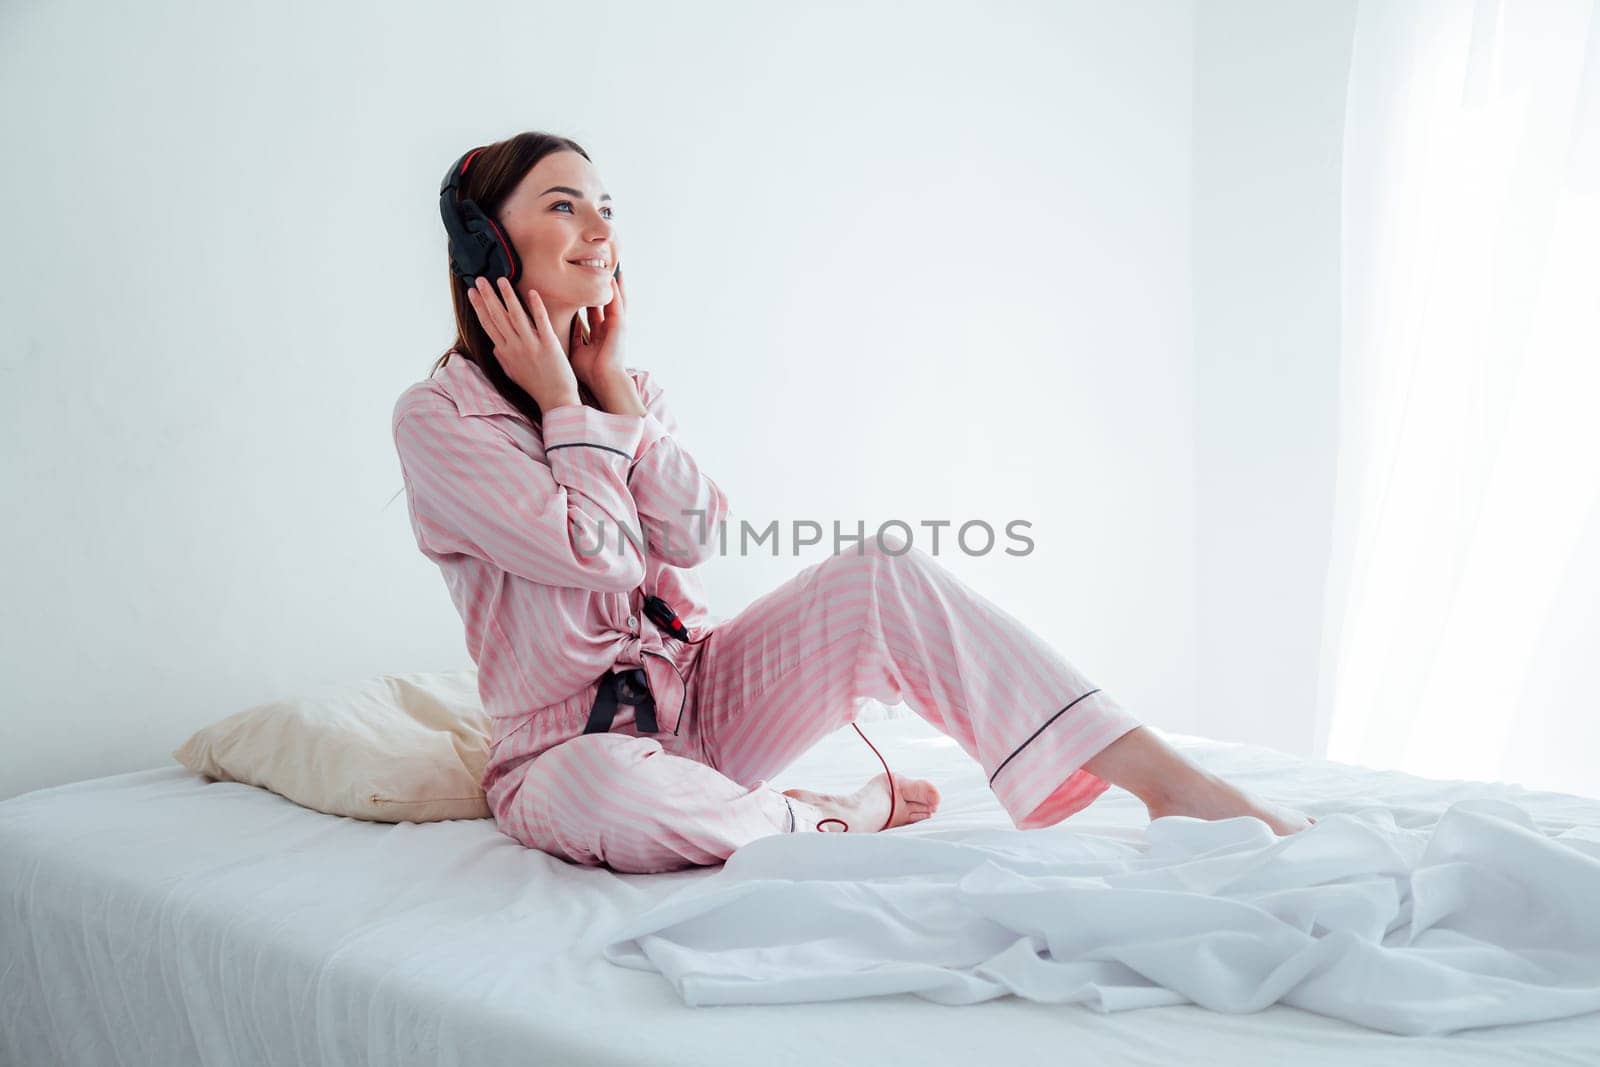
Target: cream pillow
399	748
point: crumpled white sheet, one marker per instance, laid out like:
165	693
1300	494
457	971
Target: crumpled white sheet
1480	920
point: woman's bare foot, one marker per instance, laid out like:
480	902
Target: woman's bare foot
1144	764
1206	796
866	808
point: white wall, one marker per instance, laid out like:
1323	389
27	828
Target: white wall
890	261
1269	120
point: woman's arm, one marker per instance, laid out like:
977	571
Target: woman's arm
680	506
474	492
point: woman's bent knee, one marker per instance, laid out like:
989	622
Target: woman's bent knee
549	803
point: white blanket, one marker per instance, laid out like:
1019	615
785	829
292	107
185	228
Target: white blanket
1480	920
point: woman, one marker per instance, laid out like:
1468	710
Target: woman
545	479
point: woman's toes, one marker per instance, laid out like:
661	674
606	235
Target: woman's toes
915	799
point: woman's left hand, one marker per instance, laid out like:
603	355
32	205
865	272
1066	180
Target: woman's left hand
598	359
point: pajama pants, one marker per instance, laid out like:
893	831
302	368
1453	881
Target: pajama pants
788	670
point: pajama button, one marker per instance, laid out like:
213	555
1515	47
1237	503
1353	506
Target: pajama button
633	622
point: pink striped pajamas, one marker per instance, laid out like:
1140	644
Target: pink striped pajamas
507	511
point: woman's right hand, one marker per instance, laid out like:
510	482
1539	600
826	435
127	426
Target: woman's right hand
526	348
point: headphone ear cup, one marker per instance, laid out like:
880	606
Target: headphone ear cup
492	250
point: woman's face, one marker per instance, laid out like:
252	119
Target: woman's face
557	215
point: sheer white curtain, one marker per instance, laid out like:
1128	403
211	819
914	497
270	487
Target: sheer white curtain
1469	462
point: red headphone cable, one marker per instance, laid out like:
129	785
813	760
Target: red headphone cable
890	773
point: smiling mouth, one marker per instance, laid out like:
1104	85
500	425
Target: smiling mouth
590	266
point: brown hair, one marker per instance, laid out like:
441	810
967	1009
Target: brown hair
493	176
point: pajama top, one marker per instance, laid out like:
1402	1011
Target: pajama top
511	511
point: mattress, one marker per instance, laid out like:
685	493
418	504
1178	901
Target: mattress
157	918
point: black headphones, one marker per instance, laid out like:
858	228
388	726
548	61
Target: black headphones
477	245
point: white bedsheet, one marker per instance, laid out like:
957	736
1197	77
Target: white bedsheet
153	918
1480	921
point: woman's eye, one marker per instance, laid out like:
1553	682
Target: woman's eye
568	203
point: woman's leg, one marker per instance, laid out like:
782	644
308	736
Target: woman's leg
1152	770
895	625
796	664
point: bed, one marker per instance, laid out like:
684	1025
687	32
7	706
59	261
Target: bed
159	918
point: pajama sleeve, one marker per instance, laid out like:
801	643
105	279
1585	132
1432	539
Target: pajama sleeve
473	491
681	508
